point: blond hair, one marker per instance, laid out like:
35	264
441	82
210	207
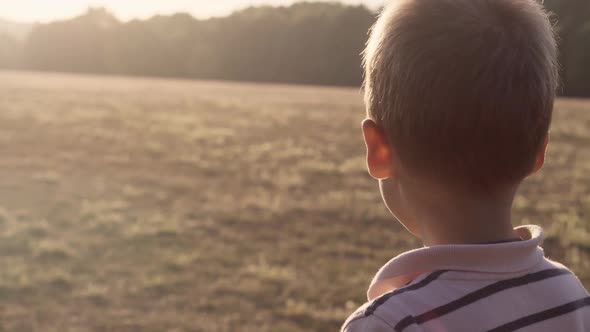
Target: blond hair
464	89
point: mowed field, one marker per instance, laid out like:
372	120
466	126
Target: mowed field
160	205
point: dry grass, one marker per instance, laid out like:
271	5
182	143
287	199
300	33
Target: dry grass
154	205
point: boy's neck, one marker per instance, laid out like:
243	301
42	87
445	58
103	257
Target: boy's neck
447	219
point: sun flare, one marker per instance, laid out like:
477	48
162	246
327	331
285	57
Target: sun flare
44	11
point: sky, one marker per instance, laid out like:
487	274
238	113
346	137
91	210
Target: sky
49	10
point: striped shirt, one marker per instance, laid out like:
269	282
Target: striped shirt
488	287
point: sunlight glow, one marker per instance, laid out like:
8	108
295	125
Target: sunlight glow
45	10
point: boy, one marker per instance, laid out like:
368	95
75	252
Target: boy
459	96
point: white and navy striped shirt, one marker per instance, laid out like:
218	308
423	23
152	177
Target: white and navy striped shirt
491	287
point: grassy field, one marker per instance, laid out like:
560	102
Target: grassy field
155	205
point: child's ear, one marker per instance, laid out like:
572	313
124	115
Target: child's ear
541	156
379	151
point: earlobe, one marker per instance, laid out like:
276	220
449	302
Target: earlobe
379	151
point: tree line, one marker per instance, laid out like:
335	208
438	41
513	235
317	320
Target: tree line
305	43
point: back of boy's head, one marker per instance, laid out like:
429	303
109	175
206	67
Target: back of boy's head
464	89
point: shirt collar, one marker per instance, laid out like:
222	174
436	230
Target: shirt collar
507	257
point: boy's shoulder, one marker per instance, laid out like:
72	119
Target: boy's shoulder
364	324
390	310
574	280
368	318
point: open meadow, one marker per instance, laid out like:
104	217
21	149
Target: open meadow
162	205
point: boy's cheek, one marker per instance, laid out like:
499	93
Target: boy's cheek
395	202
390	193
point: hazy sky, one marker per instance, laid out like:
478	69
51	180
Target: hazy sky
47	10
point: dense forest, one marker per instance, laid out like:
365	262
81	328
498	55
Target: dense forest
306	43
